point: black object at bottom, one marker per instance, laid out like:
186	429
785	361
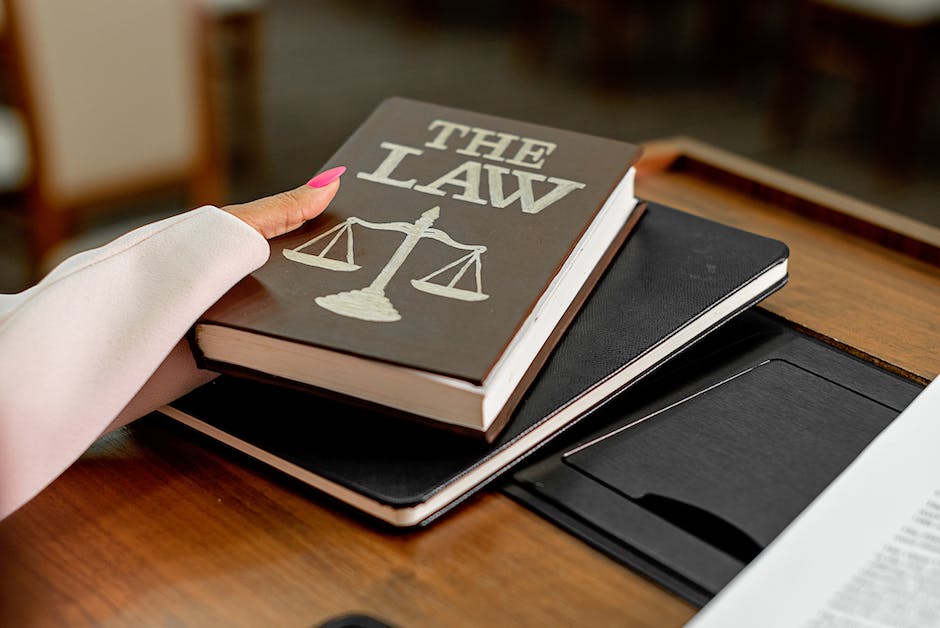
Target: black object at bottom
688	476
354	621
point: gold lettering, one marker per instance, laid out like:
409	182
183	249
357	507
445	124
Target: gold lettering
382	174
480	139
525	194
469	182
536	149
447	129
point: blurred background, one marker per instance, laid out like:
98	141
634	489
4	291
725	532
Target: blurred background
116	112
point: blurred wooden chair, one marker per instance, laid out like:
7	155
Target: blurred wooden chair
116	105
883	44
620	29
606	20
237	26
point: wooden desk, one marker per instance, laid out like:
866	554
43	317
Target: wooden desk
152	526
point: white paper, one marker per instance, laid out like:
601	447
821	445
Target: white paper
865	553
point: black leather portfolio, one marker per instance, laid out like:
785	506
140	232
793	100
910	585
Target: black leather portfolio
678	278
689	476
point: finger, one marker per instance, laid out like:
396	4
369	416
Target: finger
275	215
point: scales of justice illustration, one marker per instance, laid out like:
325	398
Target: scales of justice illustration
370	303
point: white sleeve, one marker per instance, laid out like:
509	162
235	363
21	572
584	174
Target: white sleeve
77	348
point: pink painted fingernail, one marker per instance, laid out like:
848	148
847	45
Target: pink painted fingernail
326	177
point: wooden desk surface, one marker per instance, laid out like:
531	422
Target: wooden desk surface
153	527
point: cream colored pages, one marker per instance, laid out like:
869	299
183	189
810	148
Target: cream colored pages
865	553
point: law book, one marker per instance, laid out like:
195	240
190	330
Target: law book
677	278
458	249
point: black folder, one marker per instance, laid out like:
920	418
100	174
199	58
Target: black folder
699	468
677	278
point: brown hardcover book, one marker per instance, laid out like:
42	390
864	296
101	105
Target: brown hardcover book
458	249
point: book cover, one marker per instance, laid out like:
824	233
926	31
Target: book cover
455	238
677	278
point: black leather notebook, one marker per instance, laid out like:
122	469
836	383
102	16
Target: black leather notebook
677	278
690	476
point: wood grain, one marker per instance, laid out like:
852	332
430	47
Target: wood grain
151	528
873	289
156	526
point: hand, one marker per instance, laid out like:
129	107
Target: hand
276	215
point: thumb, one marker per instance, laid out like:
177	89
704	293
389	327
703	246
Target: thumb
276	215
